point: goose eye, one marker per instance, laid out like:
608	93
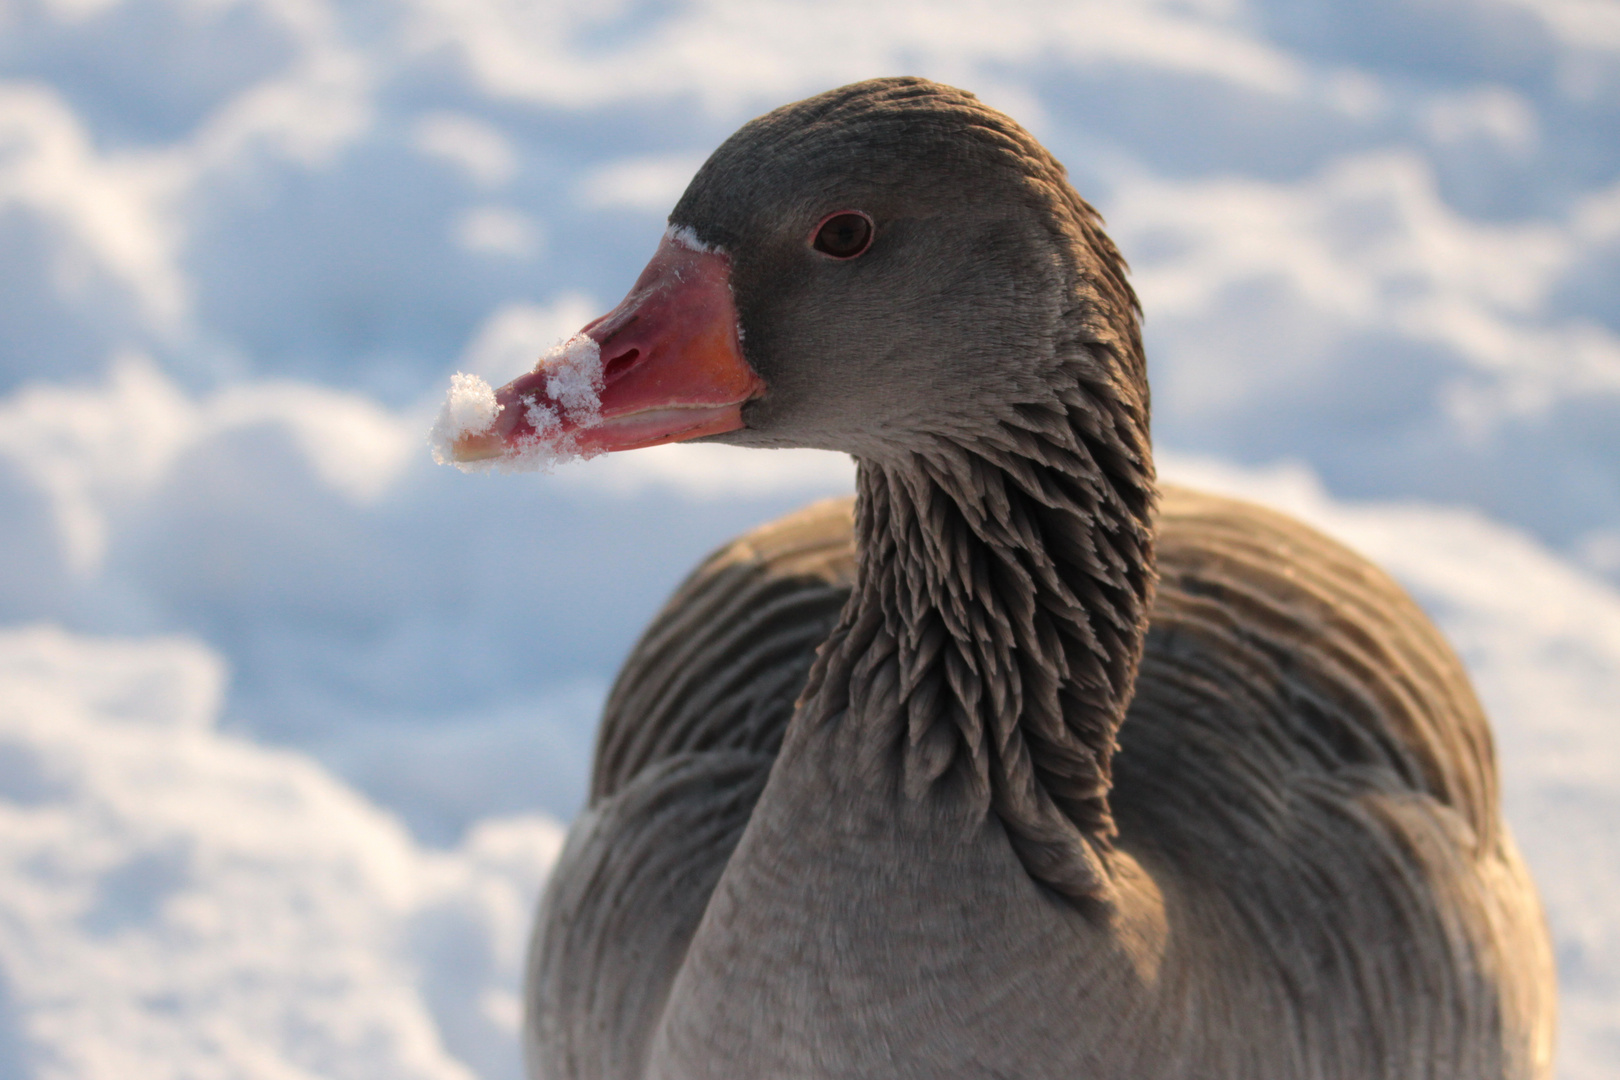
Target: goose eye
843	235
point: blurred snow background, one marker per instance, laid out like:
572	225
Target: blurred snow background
288	716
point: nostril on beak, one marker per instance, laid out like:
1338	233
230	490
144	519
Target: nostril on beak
618	365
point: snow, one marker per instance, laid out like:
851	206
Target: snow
300	927
475	146
574	379
573	370
687	238
469	409
285	703
182	902
648	184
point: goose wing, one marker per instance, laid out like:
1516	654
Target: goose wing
1305	759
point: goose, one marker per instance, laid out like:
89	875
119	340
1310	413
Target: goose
1018	765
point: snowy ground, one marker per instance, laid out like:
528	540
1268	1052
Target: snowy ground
288	715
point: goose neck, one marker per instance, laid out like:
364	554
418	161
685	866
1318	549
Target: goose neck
990	646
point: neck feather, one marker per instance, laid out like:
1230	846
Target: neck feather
991	643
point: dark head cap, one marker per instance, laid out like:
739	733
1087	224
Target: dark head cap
985	273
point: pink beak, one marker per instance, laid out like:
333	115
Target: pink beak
672	366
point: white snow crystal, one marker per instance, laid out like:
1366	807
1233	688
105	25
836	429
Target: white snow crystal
687	237
574	384
469	409
574	380
573	370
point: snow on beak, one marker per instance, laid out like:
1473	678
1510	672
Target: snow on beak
666	365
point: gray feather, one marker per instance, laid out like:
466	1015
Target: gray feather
1083	779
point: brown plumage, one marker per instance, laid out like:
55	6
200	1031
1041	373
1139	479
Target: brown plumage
1086	779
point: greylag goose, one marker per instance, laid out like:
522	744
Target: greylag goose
1019	766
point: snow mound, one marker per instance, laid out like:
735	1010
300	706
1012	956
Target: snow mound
180	902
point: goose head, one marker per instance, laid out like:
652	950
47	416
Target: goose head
869	270
896	271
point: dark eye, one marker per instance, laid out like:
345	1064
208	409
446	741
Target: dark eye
843	235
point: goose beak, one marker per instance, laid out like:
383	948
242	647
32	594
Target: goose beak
672	368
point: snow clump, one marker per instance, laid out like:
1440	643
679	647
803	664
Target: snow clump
574	380
572	402
469	409
574	386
